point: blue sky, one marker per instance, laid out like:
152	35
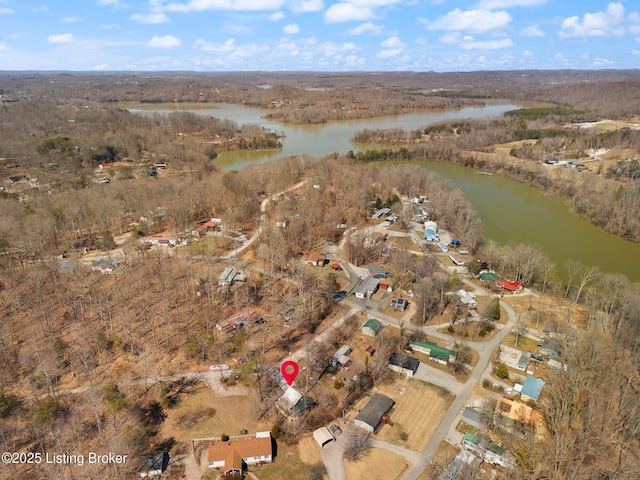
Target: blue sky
320	35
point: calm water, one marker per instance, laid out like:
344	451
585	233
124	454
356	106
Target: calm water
510	211
326	138
515	213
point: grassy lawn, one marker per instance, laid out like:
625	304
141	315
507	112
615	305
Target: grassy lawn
524	343
404	242
287	465
200	414
378	463
416	415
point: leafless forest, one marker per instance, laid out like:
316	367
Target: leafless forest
92	359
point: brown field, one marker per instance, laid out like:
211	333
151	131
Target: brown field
201	415
379	464
418	410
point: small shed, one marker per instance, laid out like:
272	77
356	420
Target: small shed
371	327
323	436
340	358
404	364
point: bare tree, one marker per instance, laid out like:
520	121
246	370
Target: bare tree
358	443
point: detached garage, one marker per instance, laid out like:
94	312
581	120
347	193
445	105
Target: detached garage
323	436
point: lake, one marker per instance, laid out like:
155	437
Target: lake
510	211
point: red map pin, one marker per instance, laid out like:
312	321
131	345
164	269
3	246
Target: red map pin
289	370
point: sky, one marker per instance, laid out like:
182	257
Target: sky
318	35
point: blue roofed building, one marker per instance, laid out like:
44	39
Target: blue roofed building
532	388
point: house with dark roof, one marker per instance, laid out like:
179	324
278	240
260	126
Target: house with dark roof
376	271
233	456
370	417
404	364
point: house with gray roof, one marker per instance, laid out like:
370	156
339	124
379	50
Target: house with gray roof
370	417
366	288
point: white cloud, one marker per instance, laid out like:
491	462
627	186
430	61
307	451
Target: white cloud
168	41
532	31
486	45
599	62
393	47
235	5
61	38
3	47
300	6
291	29
367	28
393	42
475	21
112	3
6	11
449	38
345	12
71	19
634	18
527	53
150	18
595	24
392	52
492	4
231	49
635	52
275	16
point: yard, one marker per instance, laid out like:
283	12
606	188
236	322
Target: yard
378	463
416	415
287	465
201	415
